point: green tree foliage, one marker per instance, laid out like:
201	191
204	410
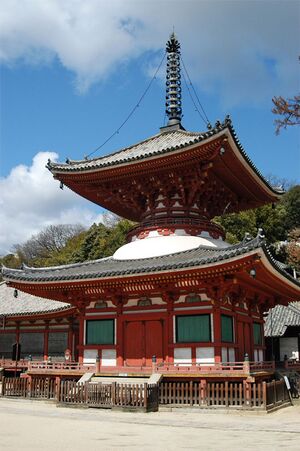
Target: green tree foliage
270	219
291	203
60	245
102	241
279	222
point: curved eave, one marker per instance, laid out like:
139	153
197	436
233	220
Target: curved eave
234	168
62	311
270	275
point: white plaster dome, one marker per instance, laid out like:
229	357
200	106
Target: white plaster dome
156	245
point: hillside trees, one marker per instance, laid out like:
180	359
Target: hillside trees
62	244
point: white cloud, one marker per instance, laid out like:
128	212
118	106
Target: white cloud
30	199
244	51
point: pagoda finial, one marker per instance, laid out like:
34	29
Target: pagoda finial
173	82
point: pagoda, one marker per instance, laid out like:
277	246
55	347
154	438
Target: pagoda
177	293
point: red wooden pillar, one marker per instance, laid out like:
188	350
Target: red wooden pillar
81	335
46	340
17	332
120	334
217	334
251	335
169	326
70	338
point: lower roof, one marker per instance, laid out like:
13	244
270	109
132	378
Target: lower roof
26	304
280	318
106	268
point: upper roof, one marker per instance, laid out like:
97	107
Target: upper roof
162	143
121	182
26	304
280	318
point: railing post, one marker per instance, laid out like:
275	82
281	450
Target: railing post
97	364
264	394
247	393
113	393
154	364
246	364
145	395
58	387
191	393
203	392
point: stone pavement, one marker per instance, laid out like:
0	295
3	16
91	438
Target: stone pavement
37	425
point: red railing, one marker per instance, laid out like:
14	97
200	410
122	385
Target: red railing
220	368
162	368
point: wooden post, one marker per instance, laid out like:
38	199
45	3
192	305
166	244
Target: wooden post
46	340
145	395
247	393
226	394
217	334
203	392
191	393
81	336
97	364
113	393
120	330
246	364
58	388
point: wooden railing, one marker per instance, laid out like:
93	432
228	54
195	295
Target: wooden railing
130	396
276	394
135	396
147	397
217	368
261	395
39	388
163	368
46	365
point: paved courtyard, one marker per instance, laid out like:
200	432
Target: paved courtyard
36	425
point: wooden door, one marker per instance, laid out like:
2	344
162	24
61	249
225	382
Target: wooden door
134	343
143	340
244	340
154	341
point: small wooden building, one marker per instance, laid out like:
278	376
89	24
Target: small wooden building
44	328
282	332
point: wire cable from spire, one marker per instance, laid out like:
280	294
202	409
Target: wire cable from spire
206	120
131	112
193	101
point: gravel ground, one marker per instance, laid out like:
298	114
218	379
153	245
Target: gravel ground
37	425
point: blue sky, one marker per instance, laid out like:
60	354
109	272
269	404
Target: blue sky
71	72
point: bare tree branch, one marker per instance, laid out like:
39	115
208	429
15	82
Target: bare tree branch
288	110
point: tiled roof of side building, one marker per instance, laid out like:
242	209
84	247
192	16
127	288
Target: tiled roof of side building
110	267
280	317
26	304
162	143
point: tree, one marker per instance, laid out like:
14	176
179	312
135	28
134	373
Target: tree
288	111
291	203
293	249
50	240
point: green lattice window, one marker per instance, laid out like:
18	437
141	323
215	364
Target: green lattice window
193	328
227	328
100	332
257	333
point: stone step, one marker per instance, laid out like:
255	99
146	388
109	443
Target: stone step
87	377
119	380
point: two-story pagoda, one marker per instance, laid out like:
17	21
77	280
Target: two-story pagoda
176	290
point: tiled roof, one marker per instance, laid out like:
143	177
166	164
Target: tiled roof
280	317
110	267
162	143
26	304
